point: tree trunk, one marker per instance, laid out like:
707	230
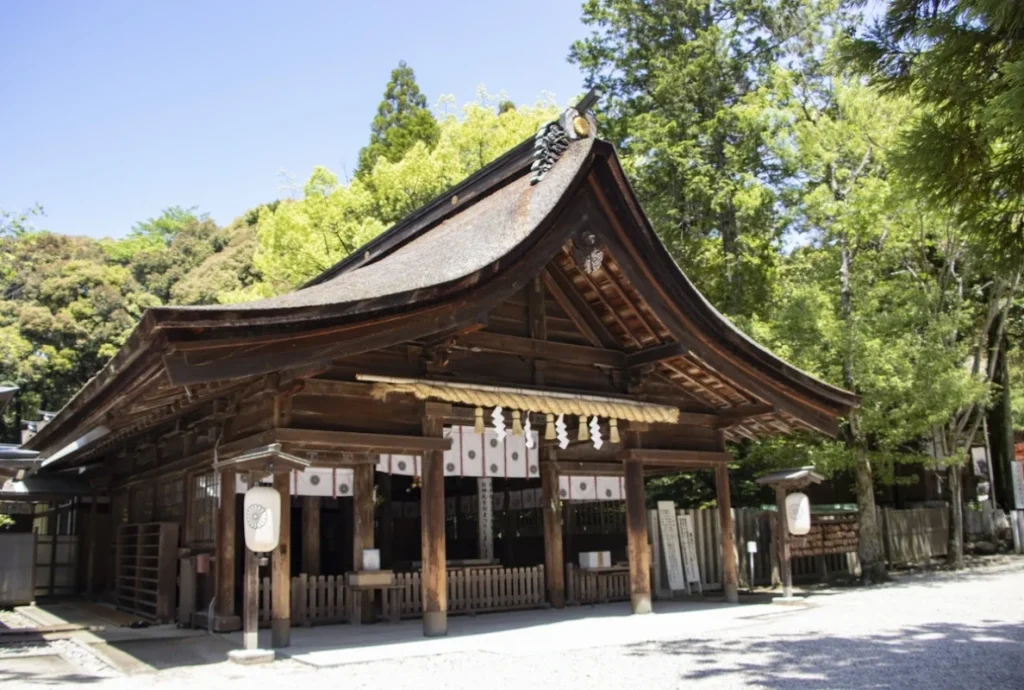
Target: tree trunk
872	555
1000	432
955	555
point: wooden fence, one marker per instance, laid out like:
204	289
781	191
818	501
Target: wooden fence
478	590
914	536
593	587
325	599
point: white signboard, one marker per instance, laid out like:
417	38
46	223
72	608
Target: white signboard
670	545
689	546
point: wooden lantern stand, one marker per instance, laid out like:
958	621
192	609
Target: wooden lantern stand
783	481
259	463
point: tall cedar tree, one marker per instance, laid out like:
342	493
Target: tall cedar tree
678	77
402	120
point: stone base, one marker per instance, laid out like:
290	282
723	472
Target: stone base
435	624
251	656
641	603
732	595
788	600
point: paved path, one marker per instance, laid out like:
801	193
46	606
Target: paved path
935	630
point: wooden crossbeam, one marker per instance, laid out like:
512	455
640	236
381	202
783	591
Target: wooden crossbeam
655	354
727	418
355	441
543	349
694	459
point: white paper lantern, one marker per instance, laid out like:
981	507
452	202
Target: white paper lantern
262	518
798	514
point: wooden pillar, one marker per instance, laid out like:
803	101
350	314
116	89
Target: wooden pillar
311	535
554	559
251	592
225	556
387	520
281	569
782	542
432	535
729	579
636	536
362	529
90	566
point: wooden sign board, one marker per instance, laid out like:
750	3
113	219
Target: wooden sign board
688	543
670	545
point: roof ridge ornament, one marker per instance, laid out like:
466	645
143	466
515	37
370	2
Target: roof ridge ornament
553	138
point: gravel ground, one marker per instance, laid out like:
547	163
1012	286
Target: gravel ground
927	630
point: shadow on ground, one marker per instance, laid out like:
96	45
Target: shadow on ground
927	656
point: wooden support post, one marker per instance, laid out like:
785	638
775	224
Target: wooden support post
251	592
636	537
311	535
782	542
362	531
554	560
434	575
387	521
729	579
90	566
281	570
54	529
225	556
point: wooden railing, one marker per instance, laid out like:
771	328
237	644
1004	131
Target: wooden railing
593	587
316	600
324	599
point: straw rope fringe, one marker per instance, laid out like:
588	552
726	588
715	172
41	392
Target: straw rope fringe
539	402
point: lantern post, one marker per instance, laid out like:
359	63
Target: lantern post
263	517
793	516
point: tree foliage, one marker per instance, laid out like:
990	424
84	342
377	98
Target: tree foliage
402	121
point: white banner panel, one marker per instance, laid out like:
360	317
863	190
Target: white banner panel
610	489
494	455
515	457
453	456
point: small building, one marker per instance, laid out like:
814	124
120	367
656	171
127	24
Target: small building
520	347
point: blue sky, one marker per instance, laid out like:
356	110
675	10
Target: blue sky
116	110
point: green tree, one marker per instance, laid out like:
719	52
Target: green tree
963	62
402	121
683	85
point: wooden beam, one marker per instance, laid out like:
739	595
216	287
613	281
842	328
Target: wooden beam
348	389
281	572
311	535
730	582
434	576
655	354
576	308
727	418
359	442
554	557
362	534
583	355
695	459
225	564
595	469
